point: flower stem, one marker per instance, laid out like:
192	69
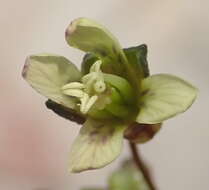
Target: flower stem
141	165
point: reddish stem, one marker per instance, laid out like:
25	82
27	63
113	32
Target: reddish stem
141	165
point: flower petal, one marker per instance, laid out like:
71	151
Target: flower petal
90	36
164	96
97	145
47	73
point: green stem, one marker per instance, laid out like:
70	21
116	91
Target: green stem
141	165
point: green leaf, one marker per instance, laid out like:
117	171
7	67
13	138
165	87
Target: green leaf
164	96
97	145
47	73
137	67
127	178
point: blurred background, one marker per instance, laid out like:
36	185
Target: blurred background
34	142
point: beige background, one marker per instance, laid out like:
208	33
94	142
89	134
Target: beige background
34	142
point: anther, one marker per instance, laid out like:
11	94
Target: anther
90	103
73	85
84	100
74	92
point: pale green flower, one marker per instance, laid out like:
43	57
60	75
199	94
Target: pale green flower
112	91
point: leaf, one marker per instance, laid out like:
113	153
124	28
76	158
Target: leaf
47	73
164	96
97	145
127	178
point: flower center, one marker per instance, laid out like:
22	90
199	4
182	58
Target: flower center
88	89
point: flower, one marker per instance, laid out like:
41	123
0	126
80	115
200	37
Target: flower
112	94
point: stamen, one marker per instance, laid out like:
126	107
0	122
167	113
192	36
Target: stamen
91	84
74	92
89	78
90	103
96	66
84	100
73	85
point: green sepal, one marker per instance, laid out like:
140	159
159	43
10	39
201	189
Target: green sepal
47	73
98	144
163	97
137	57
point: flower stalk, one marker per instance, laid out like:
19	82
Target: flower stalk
140	164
